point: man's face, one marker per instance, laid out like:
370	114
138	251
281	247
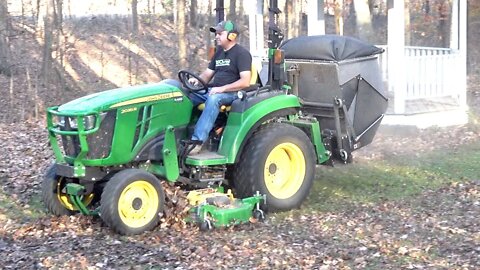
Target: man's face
221	38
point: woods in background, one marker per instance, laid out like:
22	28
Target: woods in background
88	45
365	19
5	58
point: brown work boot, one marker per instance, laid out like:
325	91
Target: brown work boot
196	150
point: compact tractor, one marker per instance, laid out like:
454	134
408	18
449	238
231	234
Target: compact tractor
317	99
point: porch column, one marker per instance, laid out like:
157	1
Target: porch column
255	26
316	18
458	41
396	54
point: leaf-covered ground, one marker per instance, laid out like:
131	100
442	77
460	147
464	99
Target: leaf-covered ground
436	229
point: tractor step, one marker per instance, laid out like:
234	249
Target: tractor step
205	158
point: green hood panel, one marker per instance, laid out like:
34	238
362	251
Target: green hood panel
120	97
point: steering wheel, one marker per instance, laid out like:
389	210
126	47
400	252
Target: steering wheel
185	76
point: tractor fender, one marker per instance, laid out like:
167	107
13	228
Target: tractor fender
241	124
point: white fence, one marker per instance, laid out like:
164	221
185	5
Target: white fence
429	72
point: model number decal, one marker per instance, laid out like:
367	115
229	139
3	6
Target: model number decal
128	110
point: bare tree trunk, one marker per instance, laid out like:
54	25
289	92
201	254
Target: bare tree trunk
11	93
58	20
175	11
134	17
408	35
443	8
59	14
47	65
37	13
34	97
181	32
41	13
339	17
241	19
207	34
302	25
129	61
59	44
364	20
193	13
149	10
289	19
232	12
5	53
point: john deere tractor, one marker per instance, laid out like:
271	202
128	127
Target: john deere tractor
321	98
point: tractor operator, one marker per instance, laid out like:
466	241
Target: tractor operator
230	69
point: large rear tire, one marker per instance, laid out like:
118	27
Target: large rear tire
55	200
278	161
131	202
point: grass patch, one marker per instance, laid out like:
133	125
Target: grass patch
461	163
396	178
11	209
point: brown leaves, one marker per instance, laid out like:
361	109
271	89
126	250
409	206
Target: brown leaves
25	155
176	207
438	229
408	234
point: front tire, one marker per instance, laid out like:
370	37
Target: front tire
55	200
131	202
278	161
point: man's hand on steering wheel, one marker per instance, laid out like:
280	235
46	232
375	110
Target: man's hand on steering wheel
192	82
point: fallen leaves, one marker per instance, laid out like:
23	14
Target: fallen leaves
301	242
25	156
176	207
438	229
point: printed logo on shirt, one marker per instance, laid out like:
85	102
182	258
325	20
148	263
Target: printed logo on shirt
222	62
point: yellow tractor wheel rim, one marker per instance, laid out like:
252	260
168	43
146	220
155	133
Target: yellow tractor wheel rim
284	170
138	204
65	199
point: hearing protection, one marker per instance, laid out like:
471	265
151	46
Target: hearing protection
229	26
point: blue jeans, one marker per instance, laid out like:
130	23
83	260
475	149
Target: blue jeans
210	112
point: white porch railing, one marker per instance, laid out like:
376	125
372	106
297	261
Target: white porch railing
429	73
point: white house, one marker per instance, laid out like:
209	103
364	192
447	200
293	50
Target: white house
426	86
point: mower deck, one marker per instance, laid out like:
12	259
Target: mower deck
216	209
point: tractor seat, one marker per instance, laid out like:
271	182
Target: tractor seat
254	84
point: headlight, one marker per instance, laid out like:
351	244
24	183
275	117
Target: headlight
88	122
73	122
58	121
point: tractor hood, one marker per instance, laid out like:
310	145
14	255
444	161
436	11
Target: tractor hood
120	97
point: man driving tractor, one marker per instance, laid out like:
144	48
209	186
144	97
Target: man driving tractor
114	149
230	69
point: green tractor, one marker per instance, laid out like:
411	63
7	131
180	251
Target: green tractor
114	148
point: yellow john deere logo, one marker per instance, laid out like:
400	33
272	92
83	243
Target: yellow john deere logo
147	99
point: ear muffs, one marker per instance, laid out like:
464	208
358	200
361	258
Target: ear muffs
232	36
229	26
